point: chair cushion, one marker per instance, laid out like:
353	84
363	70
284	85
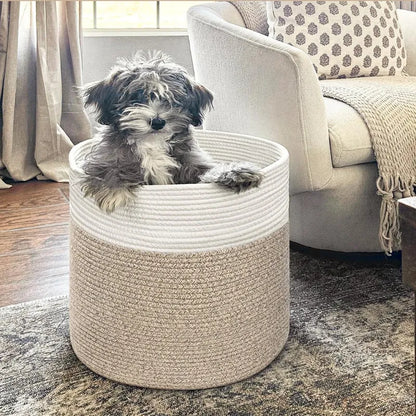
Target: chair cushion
349	136
342	38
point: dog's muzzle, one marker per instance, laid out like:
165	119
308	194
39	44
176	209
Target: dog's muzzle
157	123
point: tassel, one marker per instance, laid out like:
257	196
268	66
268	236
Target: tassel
391	190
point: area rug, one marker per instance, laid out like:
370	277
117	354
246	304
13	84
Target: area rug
350	352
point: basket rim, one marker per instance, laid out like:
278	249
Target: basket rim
282	161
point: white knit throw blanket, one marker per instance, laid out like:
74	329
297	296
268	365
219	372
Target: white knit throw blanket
388	106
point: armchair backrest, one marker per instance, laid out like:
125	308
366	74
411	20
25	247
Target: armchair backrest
263	88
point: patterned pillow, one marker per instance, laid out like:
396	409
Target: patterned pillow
343	38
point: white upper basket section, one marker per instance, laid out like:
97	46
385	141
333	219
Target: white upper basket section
192	217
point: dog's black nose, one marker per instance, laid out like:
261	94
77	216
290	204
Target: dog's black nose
157	123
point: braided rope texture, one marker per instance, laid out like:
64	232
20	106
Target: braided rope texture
178	321
193	217
388	106
188	287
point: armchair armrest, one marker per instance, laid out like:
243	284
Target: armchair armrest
407	20
264	88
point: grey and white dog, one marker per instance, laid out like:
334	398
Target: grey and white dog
148	107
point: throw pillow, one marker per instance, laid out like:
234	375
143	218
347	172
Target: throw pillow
253	14
343	38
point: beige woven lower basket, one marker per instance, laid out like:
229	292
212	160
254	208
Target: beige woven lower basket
188	287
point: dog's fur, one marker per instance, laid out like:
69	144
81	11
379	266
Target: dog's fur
147	106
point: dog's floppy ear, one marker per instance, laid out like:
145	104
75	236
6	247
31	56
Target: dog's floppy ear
201	100
103	96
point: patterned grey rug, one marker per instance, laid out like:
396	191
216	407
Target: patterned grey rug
350	352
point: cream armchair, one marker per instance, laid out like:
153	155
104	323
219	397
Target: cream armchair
265	88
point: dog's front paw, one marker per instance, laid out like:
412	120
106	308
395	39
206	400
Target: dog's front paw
109	199
235	176
240	179
113	199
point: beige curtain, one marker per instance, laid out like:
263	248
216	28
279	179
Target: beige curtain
41	115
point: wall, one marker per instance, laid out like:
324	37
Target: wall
101	52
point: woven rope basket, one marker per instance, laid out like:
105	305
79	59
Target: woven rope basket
188	287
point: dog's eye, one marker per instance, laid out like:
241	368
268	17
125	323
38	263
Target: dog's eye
138	97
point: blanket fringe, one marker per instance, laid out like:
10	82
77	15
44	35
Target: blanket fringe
391	190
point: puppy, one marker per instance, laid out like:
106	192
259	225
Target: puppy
147	107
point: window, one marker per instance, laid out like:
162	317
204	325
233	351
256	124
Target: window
135	15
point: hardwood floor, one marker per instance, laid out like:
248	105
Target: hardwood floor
34	249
